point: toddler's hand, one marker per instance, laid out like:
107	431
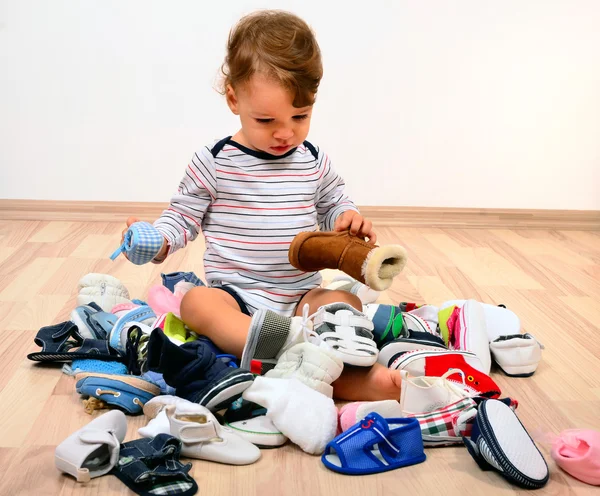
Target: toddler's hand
357	224
130	220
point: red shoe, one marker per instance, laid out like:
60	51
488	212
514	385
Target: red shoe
436	363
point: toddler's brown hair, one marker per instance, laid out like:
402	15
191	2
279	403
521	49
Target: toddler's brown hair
278	45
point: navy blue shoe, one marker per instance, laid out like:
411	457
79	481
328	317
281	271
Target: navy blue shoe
196	373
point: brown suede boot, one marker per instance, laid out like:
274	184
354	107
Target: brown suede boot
372	265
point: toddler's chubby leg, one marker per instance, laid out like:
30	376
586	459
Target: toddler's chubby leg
215	314
368	384
320	296
356	383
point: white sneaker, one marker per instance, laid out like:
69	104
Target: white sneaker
470	333
499	321
427	394
518	355
346	331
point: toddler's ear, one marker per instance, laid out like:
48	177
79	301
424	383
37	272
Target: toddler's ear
232	100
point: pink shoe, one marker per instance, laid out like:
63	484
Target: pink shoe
161	300
353	412
577	452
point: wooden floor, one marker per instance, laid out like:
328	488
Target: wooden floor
551	279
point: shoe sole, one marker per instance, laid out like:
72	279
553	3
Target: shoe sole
512	447
356	360
278	439
517	371
226	392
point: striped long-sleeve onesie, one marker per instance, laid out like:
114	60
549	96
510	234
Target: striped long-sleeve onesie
249	205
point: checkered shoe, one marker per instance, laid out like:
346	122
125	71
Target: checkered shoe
447	425
141	243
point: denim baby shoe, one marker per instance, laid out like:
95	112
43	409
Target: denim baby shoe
151	467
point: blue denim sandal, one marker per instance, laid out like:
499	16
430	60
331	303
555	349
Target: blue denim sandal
151	466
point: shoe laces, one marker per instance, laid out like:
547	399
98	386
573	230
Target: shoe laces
307	324
309	334
448	383
136	350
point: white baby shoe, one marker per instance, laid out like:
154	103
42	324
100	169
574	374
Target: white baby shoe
470	332
518	355
427	394
93	450
315	366
201	434
106	291
205	439
499	321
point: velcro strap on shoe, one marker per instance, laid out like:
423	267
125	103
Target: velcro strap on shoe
97	436
53	338
195	432
343	319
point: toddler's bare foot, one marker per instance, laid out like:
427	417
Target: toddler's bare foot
367	384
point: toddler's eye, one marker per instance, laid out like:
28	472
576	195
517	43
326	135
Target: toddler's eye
264	121
300	117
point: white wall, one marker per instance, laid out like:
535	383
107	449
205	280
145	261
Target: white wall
439	103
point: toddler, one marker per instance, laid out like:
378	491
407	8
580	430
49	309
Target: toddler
251	193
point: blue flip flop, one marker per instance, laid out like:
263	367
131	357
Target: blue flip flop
374	445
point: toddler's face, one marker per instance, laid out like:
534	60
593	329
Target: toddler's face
270	123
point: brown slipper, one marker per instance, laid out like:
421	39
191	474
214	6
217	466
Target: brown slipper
372	265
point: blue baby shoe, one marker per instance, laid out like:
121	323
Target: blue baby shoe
141	243
126	392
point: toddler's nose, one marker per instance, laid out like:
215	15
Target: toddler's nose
283	134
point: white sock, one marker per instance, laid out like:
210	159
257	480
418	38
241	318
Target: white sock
347	283
158	425
286	400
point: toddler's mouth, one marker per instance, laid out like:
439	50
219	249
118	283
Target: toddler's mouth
281	149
